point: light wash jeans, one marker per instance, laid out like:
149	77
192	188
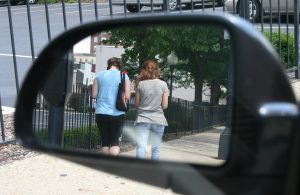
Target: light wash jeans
143	131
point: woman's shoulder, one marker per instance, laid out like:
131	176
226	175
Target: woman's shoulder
98	74
108	72
153	81
162	82
101	72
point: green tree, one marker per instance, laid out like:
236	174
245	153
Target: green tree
202	51
283	43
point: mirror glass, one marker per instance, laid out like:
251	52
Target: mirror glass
194	80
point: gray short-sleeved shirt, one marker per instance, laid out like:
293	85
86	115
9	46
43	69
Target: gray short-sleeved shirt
150	109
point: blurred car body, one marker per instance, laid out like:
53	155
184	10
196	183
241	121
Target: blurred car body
16	2
259	8
132	5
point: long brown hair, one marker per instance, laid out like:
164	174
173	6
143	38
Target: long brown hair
150	70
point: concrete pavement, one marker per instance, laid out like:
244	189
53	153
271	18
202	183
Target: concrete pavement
43	174
7	110
296	88
201	148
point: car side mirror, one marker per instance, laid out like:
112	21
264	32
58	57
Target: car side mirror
221	53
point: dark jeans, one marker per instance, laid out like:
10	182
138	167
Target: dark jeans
110	129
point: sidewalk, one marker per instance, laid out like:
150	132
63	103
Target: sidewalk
43	174
296	88
7	110
200	148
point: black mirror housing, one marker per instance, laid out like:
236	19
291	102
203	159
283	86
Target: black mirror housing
258	78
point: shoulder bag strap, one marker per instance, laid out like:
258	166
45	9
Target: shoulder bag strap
122	77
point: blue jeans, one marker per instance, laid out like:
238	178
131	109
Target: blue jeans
143	131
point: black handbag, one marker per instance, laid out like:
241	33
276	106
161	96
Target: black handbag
121	103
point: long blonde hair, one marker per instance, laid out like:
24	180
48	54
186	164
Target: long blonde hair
150	70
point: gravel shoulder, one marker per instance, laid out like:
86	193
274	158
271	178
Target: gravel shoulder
11	152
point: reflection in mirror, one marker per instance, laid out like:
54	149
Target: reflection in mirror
194	69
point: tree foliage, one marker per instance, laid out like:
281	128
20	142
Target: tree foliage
283	43
202	51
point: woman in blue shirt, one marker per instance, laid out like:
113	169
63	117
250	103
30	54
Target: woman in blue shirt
108	118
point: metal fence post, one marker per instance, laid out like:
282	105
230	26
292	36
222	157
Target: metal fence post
13	45
166	5
90	119
30	30
56	125
224	143
225	136
244	9
47	20
64	13
56	91
296	31
2	121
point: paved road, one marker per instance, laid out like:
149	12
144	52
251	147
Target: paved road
43	174
25	54
40	38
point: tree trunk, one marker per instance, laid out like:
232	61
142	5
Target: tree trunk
198	90
215	93
198	79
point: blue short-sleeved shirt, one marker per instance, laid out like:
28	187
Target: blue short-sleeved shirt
108	84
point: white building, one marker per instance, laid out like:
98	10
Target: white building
84	75
104	52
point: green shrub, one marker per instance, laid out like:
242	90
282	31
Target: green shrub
78	103
72	1
282	44
179	117
82	138
174	126
41	134
78	138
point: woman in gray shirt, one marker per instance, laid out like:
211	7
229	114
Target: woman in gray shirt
151	97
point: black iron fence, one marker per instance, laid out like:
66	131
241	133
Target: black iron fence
277	19
2	122
186	116
81	132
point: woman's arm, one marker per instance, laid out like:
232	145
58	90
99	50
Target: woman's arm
137	99
165	98
127	89
95	89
